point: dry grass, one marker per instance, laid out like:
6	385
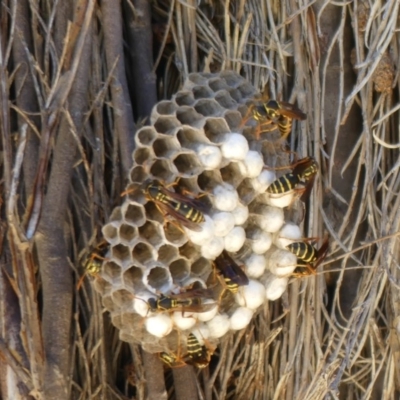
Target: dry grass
335	335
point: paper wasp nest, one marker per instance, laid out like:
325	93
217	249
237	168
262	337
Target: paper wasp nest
196	140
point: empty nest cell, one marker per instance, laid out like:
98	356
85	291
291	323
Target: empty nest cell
151	232
187	164
184	98
163	170
135	215
142	154
112	270
189	116
142	254
166	124
166	107
133	277
179	269
166	147
202	92
127	233
158	278
146	136
121	254
167	253
214	128
208	108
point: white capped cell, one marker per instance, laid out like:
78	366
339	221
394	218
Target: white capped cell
281	262
263	181
159	325
212	248
219	325
235	239
241	318
234	146
281	200
225	197
289	234
252	165
183	320
255	265
275	286
209	156
270	219
223	223
202	332
210	314
240	214
251	295
200	237
261	242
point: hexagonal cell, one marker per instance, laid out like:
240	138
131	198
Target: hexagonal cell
202	92
121	253
151	232
153	213
208	107
187	164
180	270
158	278
110	232
246	89
145	136
142	253
246	191
231	78
127	233
217	84
189	116
138	174
112	270
235	94
167	253
189	251
214	128
164	171
174	235
231	174
207	180
166	147
234	119
135	215
201	267
189	138
108	303
224	98
184	98
166	124
142	154
132	278
116	215
121	297
199	79
102	286
166	107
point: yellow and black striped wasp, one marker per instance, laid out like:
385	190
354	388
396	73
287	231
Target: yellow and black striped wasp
189	212
197	355
276	113
190	301
233	275
303	171
308	256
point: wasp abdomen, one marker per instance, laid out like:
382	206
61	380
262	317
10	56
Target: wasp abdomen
303	251
284	184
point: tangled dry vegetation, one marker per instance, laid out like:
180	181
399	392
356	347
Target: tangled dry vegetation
73	77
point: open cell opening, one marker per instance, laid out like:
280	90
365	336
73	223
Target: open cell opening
207	180
127	232
214	128
165	147
246	192
184	98
102	286
174	234
135	215
158	277
225	100
110	232
133	277
188	250
112	270
146	136
188	137
116	215
231	174
166	107
153	213
233	119
120	252
217	84
236	95
142	154
201	267
122	297
138	174
166	124
163	171
187	164
108	303
179	269
202	92
151	233
167	253
246	89
188	116
142	253
208	108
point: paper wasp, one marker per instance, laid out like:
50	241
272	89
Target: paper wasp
303	170
189	301
233	275
276	113
93	262
185	210
197	355
308	256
